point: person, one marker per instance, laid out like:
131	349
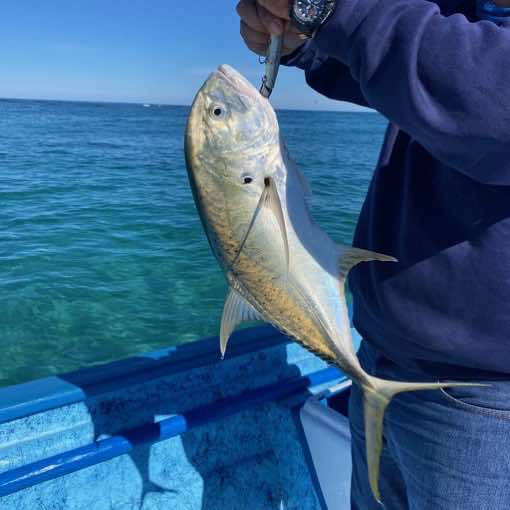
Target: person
439	201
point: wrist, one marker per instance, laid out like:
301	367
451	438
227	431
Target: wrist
300	57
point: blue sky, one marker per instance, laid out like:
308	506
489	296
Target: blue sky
155	51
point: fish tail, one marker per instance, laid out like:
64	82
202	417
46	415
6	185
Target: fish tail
377	394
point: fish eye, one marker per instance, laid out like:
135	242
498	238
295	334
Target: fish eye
218	111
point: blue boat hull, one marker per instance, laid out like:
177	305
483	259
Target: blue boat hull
179	428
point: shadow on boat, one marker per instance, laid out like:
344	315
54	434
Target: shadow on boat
252	458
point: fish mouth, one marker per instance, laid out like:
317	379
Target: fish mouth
228	72
235	79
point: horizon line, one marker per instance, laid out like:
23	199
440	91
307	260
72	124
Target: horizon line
142	103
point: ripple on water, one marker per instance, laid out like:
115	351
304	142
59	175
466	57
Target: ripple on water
102	253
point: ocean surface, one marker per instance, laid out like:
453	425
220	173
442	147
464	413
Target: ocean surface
102	253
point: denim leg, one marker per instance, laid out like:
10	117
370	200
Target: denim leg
391	483
443	450
453	447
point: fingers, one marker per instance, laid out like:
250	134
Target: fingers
247	11
256	41
257	23
258	18
278	8
273	24
248	34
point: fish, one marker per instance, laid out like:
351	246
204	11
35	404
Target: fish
281	267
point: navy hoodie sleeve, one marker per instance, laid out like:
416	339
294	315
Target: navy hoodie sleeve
326	75
442	79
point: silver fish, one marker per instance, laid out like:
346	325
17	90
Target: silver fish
280	265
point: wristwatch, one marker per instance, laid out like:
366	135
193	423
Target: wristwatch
309	15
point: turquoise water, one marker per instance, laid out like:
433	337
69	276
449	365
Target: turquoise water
102	253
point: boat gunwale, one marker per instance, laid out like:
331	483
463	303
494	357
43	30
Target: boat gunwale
101	450
40	395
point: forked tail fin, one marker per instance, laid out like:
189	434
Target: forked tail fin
376	396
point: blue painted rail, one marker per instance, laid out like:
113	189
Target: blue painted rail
109	448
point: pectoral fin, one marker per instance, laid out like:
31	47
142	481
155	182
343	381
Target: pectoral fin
271	200
350	256
275	206
235	311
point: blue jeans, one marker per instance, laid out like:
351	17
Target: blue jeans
443	450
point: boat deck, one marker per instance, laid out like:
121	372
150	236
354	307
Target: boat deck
179	428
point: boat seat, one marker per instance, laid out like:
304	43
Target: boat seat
327	436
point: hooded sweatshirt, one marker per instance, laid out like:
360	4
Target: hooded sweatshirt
439	199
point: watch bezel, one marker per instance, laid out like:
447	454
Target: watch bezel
311	26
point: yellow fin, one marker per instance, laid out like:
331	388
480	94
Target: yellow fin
235	311
376	396
270	199
275	206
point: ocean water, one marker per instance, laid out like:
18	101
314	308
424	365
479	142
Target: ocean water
102	254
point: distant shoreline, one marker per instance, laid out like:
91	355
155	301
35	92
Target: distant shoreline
143	103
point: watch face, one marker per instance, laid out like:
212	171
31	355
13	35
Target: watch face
309	11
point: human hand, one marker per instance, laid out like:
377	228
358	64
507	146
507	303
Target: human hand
260	18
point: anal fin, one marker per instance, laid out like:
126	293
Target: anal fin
235	311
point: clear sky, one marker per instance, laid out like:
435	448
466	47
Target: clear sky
150	51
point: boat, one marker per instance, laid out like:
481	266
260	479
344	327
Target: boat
180	428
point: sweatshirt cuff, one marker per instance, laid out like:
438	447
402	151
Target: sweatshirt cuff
301	57
332	38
